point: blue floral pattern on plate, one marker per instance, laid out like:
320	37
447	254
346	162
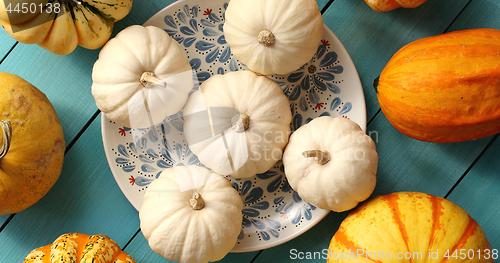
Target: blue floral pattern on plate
273	213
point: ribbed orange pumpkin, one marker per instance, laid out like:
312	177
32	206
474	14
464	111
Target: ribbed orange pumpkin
444	88
388	5
410	227
77	247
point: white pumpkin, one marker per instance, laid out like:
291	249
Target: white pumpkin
141	77
238	124
273	36
331	163
190	214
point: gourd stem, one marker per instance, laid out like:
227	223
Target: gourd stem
320	156
196	202
240	122
266	38
7	134
375	84
149	78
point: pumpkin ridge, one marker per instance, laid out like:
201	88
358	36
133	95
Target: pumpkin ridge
118	5
89	24
469	231
80	238
189	230
342	238
437	212
392	201
52	23
92	9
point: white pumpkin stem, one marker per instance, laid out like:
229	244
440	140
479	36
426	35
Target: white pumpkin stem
240	122
149	78
7	134
196	202
320	156
266	37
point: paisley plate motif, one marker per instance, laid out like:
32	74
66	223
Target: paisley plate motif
273	213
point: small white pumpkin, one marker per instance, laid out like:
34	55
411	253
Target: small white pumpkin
190	214
331	163
238	124
141	77
273	36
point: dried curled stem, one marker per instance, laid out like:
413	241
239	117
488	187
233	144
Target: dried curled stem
7	135
319	156
149	78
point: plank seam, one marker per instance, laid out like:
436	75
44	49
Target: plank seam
131	239
373	117
256	256
456	17
10	50
471	166
6	222
82	130
326	6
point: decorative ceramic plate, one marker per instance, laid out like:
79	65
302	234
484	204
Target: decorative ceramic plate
273	213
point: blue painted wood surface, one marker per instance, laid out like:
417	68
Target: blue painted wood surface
87	199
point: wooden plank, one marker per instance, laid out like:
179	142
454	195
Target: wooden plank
371	38
141	252
85	199
479	193
479	14
406	164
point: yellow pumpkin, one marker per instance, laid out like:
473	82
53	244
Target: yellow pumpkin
77	247
444	88
62	25
410	227
33	144
388	5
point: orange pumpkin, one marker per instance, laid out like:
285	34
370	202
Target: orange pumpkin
410	227
77	247
31	144
444	88
388	5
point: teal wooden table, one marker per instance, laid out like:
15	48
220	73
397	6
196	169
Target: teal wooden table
87	199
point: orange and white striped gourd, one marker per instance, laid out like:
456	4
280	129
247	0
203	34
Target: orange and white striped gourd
444	88
78	247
